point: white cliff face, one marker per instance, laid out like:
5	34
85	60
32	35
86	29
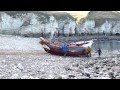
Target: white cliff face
116	28
107	27
80	29
67	27
31	23
87	27
35	26
72	27
51	26
8	23
32	29
90	24
61	26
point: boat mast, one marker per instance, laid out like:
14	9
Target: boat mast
85	35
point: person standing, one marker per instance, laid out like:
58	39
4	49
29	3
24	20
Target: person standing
89	50
99	52
52	37
65	49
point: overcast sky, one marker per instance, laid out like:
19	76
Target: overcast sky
82	12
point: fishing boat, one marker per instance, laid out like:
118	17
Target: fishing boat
75	48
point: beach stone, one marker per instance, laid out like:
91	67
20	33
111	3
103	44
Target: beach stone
68	69
118	77
86	74
14	76
108	68
78	70
50	77
96	70
84	77
59	77
31	77
20	66
71	76
75	65
111	75
64	76
25	77
3	61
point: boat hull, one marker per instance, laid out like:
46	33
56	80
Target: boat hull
77	51
69	53
58	51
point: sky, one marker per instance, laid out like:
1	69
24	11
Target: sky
77	14
75	11
82	12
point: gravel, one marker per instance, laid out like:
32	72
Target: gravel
31	63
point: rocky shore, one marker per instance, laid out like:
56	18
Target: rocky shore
46	66
23	58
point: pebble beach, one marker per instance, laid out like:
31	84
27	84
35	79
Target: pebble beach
24	58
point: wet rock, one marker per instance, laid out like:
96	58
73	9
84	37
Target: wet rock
105	62
96	70
111	75
91	64
59	78
86	74
68	69
71	76
87	66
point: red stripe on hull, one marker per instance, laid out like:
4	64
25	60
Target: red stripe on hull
56	51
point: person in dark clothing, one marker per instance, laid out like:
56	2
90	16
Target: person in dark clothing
64	49
99	52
